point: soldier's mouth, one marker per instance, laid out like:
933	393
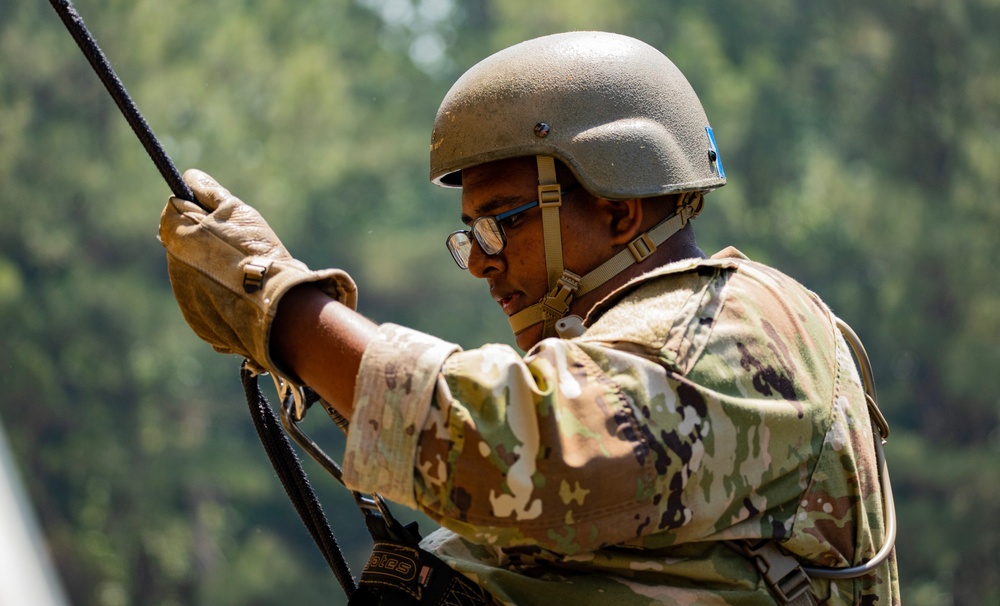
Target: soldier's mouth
507	303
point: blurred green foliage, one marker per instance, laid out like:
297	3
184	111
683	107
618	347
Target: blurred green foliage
862	146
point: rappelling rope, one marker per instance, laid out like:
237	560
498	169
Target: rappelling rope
289	469
74	23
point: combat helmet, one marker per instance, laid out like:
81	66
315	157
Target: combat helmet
614	109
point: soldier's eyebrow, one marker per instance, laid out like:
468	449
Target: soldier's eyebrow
492	207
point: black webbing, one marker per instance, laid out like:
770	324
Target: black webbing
74	23
293	478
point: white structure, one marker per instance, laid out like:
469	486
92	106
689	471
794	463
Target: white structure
27	577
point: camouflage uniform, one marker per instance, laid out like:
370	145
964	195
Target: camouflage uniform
708	400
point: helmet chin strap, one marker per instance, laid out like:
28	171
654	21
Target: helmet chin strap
565	285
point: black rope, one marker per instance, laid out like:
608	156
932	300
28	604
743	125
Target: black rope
283	458
74	23
278	449
289	469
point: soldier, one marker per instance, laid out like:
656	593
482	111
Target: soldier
674	415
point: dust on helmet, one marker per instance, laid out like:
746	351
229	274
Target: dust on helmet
614	109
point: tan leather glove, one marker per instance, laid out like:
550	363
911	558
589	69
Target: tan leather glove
229	270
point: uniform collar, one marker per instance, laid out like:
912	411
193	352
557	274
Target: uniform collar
729	258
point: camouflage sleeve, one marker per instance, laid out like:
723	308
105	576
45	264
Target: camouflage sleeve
546	450
552	450
393	392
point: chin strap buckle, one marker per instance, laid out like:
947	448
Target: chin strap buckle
556	304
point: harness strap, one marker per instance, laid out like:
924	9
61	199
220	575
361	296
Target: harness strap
568	285
641	247
401	573
549	200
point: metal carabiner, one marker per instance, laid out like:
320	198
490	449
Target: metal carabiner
294	404
888	505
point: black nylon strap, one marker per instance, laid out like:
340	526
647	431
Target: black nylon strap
400	574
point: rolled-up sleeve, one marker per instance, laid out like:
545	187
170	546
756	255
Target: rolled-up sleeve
394	389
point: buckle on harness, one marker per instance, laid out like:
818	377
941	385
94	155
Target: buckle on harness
781	572
549	195
641	247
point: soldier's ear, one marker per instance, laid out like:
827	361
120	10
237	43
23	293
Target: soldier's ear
625	220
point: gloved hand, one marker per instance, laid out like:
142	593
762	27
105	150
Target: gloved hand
229	270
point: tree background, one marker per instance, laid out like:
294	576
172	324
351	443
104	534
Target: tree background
862	145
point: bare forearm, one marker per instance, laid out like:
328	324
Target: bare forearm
322	342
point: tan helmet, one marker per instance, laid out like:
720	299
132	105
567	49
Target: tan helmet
614	109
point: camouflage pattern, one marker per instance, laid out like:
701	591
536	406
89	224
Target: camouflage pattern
708	400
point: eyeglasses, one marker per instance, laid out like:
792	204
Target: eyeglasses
488	233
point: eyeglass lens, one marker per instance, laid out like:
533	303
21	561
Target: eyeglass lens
460	247
488	234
